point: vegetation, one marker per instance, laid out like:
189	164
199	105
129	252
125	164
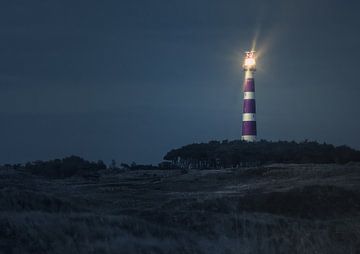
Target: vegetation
135	166
214	154
66	167
75	165
237	153
271	209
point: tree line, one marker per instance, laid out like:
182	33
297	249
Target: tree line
59	168
214	154
66	167
225	154
73	166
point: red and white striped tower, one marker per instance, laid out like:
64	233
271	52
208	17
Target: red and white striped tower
249	108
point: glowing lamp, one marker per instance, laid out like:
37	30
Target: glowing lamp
250	63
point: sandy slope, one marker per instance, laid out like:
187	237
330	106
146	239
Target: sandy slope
272	209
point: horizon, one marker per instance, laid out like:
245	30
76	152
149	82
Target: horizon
108	163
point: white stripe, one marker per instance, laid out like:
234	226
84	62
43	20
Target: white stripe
249	95
249	117
249	138
248	74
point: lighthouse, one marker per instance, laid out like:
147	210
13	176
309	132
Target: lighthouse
249	108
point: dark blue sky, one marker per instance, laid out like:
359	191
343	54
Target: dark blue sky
130	80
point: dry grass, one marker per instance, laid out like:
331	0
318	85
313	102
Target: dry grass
272	209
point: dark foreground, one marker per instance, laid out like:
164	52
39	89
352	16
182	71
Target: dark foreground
272	209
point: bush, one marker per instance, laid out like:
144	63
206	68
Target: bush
69	166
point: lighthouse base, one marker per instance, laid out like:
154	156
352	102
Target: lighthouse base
249	138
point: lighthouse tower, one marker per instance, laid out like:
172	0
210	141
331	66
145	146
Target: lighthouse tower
249	108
